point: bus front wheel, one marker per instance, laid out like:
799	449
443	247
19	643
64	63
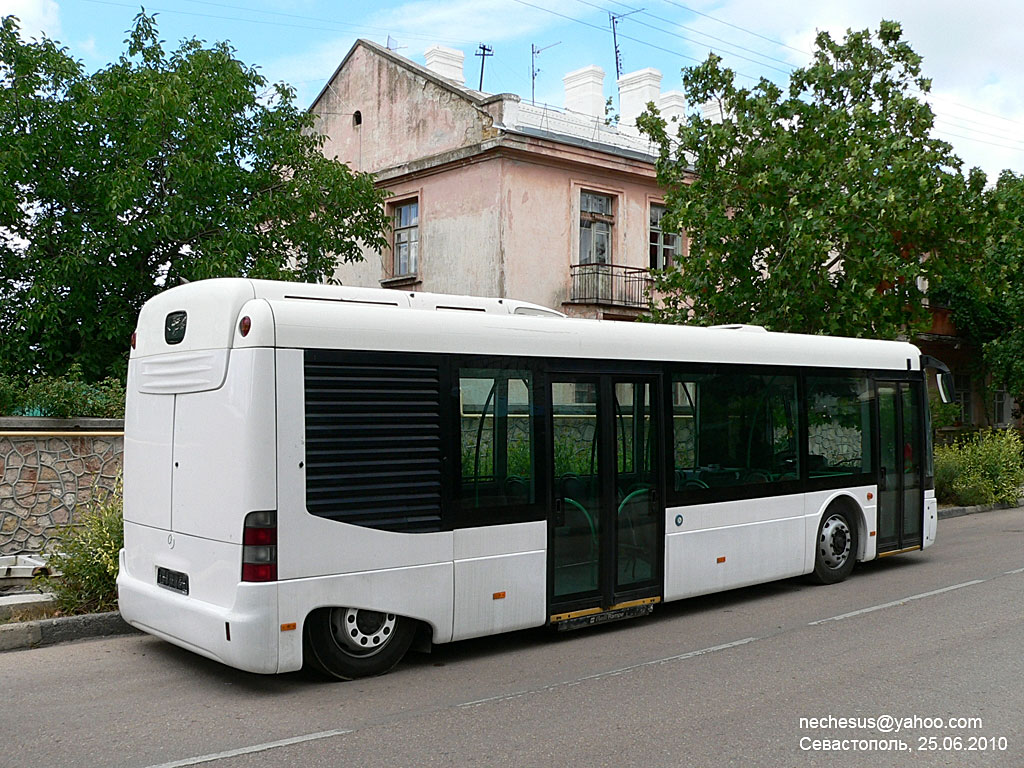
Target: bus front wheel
348	643
835	550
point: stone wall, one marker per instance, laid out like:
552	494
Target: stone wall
48	470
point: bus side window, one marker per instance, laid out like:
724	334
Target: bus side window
497	438
734	429
838	426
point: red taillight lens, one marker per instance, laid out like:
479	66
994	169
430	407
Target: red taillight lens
259	571
259	546
244	326
135	336
259	537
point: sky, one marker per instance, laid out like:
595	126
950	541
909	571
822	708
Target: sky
972	51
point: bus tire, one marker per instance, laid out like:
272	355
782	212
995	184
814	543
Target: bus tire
835	549
349	643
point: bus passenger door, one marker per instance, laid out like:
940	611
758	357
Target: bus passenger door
901	467
605	539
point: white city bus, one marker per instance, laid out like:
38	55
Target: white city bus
321	476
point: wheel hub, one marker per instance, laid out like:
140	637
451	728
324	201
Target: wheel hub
361	632
835	542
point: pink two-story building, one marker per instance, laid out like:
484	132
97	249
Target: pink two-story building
496	197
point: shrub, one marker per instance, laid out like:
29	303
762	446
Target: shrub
62	397
984	469
85	556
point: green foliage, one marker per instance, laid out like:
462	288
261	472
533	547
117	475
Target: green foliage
984	469
86	557
157	168
943	414
810	209
983	287
63	397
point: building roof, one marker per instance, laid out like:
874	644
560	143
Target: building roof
530	120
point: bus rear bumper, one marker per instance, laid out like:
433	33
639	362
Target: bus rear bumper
244	636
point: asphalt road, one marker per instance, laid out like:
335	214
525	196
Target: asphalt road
716	681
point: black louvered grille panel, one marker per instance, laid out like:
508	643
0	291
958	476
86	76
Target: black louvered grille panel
373	444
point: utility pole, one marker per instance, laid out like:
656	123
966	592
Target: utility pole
483	51
534	50
613	19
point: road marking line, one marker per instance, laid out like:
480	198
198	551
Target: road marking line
610	673
894	603
1009	573
249	750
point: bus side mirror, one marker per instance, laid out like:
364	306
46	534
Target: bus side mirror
944	380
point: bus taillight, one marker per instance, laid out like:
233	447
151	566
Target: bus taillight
259	547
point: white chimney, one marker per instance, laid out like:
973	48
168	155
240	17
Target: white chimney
636	89
584	91
712	111
446	62
672	104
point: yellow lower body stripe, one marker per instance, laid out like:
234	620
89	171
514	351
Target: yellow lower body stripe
900	551
591	611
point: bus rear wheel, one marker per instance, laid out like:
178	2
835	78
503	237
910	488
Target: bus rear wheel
835	550
349	643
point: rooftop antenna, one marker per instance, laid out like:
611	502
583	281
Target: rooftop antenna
393	44
613	19
534	50
483	51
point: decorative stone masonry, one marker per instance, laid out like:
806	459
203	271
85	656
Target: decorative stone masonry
48	467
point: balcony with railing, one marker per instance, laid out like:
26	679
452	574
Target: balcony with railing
610	285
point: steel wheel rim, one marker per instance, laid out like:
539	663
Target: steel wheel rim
359	632
835	542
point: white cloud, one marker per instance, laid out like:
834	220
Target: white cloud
37	17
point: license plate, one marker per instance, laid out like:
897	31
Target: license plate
173	580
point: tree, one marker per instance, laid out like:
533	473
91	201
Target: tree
155	169
819	209
984	288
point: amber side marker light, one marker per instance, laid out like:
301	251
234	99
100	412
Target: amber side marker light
721	560
870	495
288	627
498	596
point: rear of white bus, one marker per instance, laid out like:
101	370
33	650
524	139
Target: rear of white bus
198	566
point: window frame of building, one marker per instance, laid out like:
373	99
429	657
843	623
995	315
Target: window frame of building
663	247
597	216
998	415
405	238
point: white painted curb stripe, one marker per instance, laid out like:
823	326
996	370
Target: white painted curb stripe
894	603
250	750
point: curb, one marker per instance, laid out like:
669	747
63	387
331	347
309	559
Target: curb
961	511
35	634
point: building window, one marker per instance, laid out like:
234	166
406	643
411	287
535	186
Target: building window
595	228
962	383
664	246
998	416
406	243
